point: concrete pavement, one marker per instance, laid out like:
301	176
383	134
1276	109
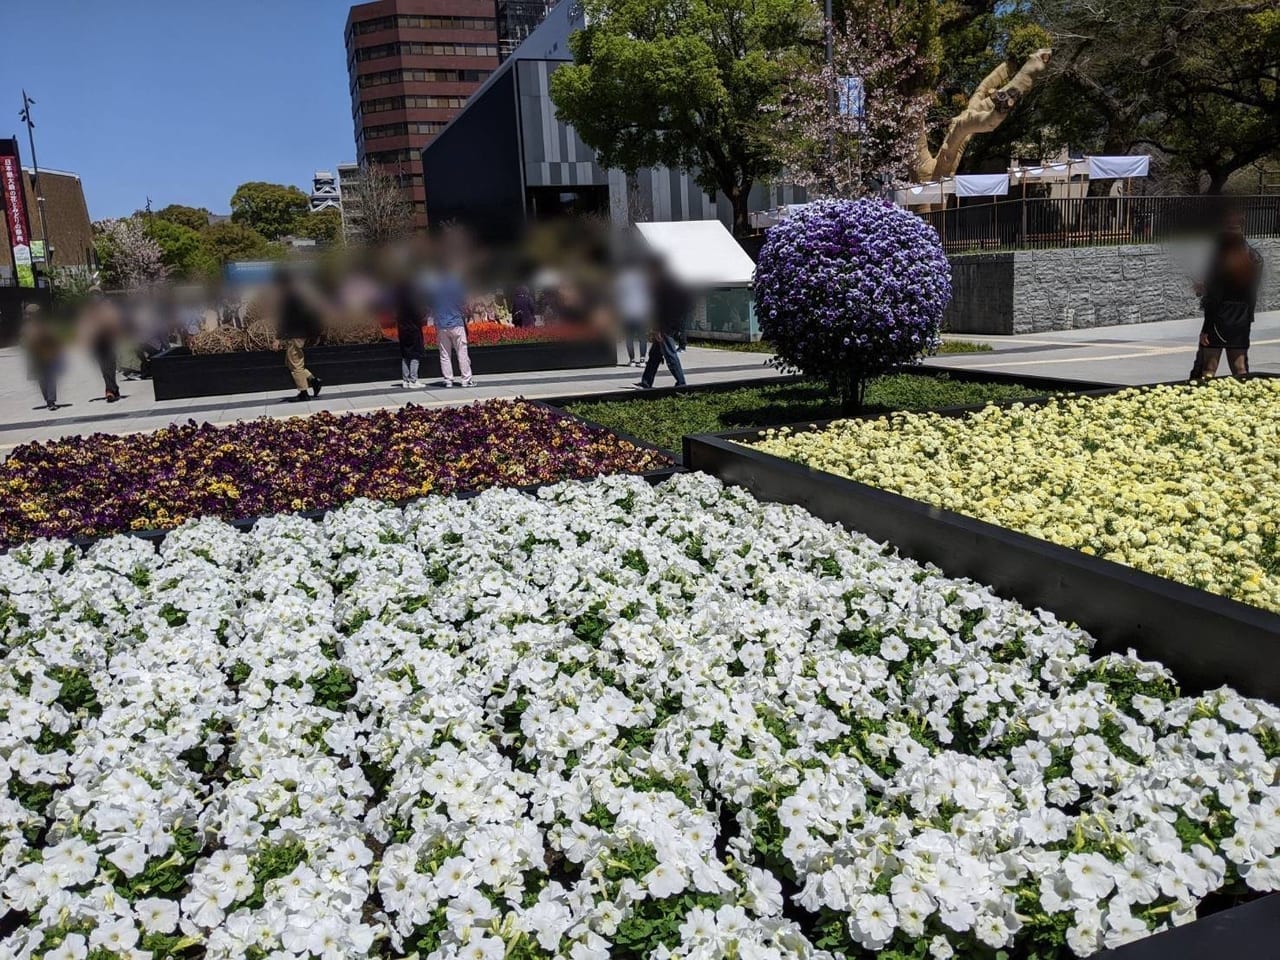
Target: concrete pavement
23	418
1130	354
1137	353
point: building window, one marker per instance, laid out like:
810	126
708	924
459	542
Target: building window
403	129
392	158
384	77
383	104
486	24
382	50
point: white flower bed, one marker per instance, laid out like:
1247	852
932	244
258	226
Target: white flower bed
612	720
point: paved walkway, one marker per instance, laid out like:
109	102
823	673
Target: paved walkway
1134	353
23	418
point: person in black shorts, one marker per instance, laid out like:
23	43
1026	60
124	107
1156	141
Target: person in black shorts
1228	297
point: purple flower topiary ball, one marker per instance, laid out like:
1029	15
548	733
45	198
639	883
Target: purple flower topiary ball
848	289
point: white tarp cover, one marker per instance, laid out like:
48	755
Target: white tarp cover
919	194
1051	172
1118	168
699	253
982	185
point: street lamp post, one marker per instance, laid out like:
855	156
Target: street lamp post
35	179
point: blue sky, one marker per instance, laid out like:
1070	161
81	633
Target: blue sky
179	100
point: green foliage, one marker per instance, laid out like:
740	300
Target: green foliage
333	687
322	226
665	420
185	251
161	877
273	861
683	84
270	209
77	693
193	218
226	242
1196	80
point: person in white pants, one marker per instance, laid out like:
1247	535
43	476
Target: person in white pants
453	340
448	299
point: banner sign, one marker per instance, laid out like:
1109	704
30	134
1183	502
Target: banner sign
852	96
15	212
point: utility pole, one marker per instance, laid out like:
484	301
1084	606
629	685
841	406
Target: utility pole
25	115
833	100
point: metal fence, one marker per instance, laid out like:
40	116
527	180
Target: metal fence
1018	224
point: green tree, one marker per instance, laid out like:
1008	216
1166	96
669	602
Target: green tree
271	209
184	251
322	226
1198	81
193	218
226	242
685	84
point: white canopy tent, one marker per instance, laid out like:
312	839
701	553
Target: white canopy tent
704	257
699	253
982	185
998	184
923	194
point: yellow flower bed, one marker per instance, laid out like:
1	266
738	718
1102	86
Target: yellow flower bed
1181	481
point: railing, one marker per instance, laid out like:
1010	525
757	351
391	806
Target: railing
1017	224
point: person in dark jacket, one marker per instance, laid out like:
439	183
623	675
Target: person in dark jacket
671	305
524	312
408	316
1228	297
299	323
103	327
44	348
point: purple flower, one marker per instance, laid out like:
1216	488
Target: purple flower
849	289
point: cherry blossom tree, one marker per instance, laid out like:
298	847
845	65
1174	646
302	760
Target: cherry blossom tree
129	257
834	148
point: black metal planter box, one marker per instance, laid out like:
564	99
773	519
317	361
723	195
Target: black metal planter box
180	374
1206	640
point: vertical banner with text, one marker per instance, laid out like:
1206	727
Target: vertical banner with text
14	199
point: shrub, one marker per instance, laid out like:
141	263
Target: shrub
849	289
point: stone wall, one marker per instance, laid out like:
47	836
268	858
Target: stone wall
1034	291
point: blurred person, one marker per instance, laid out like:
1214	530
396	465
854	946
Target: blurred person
670	307
524	311
102	328
44	347
1228	297
447	302
408	317
634	306
299	324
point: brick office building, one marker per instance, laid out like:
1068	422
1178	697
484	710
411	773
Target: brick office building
412	64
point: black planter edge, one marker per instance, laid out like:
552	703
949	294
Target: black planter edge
173	374
1206	640
1242	931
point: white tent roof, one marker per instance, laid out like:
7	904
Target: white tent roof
699	253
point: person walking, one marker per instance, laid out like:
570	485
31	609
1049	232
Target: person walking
44	352
409	333
103	327
631	294
1228	297
299	323
448	304
670	306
